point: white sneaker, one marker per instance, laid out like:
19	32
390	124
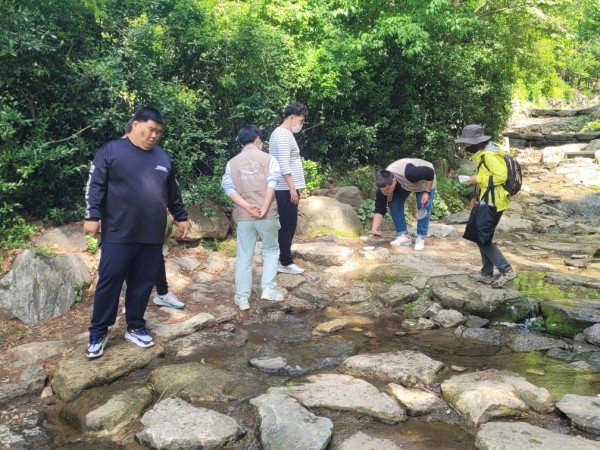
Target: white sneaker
271	294
403	239
291	269
242	302
419	244
169	299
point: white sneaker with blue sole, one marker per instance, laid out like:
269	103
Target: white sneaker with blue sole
96	346
139	337
169	299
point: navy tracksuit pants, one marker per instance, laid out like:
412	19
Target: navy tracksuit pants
137	263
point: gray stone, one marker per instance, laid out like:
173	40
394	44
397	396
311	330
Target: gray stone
416	401
485	395
330	326
28	388
323	253
405	367
457	218
213	225
106	408
592	334
64	237
530	342
290	282
448	318
419	324
273	366
170	331
513	222
344	393
583	411
437	230
433	309
355	295
399	294
194	382
41	287
350	195
362	441
187	263
26	354
284	424
310	295
456	292
326	214
523	436
196	427
482	335
76	372
476	322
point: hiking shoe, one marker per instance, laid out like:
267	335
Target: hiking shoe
403	239
242	302
271	294
504	278
96	346
139	337
169	299
419	244
292	269
480	278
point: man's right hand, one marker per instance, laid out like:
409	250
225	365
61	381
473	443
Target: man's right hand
91	227
376	233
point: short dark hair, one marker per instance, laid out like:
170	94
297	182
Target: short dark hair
146	113
248	134
295	109
128	126
383	178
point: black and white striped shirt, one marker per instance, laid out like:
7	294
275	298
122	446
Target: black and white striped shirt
284	147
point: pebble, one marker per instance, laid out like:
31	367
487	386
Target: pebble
536	371
400	333
369	334
459	368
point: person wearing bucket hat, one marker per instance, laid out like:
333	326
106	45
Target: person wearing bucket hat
394	186
491	174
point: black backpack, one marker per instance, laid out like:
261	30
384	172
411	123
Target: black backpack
514	180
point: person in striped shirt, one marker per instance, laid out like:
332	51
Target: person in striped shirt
283	146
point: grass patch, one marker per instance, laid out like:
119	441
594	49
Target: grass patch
11	332
326	231
386	273
225	248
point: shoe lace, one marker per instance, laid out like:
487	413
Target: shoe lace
95	339
142	331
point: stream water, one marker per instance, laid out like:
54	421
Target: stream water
291	337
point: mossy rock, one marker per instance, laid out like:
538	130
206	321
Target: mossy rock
562	320
387	273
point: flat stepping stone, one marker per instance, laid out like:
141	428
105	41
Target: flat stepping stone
346	393
284	423
174	423
170	331
523	436
416	401
28	354
362	441
584	411
405	367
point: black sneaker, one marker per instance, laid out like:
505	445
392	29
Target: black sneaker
96	346
139	337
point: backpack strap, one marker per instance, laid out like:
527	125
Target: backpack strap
490	188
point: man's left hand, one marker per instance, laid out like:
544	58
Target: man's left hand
184	228
424	199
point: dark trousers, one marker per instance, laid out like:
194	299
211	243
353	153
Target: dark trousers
288	219
161	284
139	264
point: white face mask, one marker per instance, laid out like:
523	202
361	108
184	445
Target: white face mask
297	128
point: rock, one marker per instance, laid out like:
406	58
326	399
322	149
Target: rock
355	295
286	424
35	438
513	222
327	214
76	372
432	310
398	294
273	366
437	230
362	441
323	253
331	326
196	427
27	354
523	436
41	287
457	218
405	367
456	292
350	195
213	225
476	322
419	324
170	331
310	295
65	237
530	342
594	144
564	279
416	401
289	282
459	368
187	263
194	382
106	408
29	387
344	393
568	319
448	318
216	264
224	343
483	396
482	335
583	411
592	334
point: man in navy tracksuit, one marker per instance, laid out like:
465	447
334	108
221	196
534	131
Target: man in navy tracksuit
130	187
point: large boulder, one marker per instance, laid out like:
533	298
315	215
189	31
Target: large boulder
323	253
40	287
483	396
65	237
30	385
327	215
584	411
205	225
350	195
456	292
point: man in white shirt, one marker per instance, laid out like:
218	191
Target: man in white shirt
283	146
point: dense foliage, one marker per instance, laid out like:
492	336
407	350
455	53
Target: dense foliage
383	79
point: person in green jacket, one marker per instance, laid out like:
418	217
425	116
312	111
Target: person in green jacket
490	163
